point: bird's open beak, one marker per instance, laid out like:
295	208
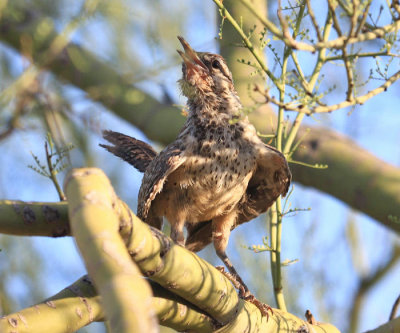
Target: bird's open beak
190	57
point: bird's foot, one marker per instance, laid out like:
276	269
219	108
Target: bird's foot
249	297
230	277
245	294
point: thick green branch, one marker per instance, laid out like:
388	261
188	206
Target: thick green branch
373	189
78	305
173	267
34	218
95	226
390	326
72	308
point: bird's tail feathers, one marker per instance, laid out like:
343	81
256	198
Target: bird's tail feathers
135	152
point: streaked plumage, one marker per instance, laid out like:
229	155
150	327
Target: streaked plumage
217	174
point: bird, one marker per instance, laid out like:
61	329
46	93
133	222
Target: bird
217	174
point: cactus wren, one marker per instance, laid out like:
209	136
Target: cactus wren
217	173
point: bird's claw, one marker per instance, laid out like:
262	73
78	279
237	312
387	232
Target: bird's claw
229	276
221	269
245	294
249	297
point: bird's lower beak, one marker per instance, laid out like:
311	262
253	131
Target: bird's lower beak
190	57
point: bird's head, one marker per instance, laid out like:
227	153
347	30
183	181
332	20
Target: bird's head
204	74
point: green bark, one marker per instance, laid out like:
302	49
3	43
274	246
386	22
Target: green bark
34	218
97	216
375	186
79	305
390	326
177	313
95	225
74	307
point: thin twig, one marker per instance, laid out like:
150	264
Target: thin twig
336	25
353	19
247	42
300	73
363	19
367	283
314	21
329	108
369	35
264	20
337	43
394	308
284	24
344	56
288	40
363	55
53	173
349	74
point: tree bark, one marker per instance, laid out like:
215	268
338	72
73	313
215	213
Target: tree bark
390	326
21	218
93	213
81	303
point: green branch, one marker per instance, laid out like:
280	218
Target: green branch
81	302
21	218
95	226
97	216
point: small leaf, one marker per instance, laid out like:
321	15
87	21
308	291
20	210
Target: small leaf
288	262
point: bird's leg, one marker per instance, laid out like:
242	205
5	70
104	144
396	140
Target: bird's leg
229	276
177	231
221	231
243	289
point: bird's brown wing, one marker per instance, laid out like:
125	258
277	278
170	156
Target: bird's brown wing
271	178
155	176
135	152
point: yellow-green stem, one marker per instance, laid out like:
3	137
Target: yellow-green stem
273	231
292	133
247	42
310	85
276	213
276	220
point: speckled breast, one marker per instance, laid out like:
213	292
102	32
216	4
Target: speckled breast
217	172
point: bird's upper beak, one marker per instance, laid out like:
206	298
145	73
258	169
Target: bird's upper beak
191	59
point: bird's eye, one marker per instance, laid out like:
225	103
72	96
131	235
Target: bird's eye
216	64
